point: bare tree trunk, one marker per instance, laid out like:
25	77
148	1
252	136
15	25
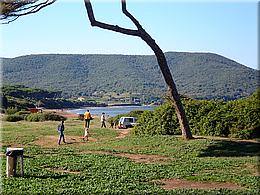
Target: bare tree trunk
140	32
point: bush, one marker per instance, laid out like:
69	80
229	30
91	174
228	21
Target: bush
239	118
49	116
13	118
245	134
160	121
11	111
36	117
23	112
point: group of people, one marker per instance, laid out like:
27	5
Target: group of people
87	119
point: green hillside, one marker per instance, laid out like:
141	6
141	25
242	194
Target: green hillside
198	75
21	97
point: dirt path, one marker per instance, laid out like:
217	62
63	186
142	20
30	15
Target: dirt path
122	133
138	158
145	158
51	141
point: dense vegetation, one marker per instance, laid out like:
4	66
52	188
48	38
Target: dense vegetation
21	97
238	118
197	75
20	91
33	117
15	114
96	167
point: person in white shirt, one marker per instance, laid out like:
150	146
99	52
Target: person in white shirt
103	120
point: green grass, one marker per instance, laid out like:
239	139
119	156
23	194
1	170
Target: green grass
71	169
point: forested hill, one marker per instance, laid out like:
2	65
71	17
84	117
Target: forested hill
198	75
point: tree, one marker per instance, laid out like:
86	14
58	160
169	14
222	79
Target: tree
161	59
10	10
13	9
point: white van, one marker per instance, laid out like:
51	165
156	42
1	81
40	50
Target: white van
126	122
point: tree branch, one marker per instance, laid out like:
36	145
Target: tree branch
11	10
34	10
106	26
11	20
132	18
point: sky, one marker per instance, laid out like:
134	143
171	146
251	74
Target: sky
228	28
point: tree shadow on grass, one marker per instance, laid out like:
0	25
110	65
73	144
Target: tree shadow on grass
228	148
46	176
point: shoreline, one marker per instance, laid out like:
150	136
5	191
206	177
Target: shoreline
97	111
65	112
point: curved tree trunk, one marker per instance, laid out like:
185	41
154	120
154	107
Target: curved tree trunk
140	32
173	93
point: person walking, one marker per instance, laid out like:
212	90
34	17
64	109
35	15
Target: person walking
103	120
61	129
111	124
87	118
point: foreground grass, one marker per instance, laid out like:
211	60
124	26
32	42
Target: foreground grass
72	168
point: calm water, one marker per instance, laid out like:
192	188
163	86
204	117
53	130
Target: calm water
111	111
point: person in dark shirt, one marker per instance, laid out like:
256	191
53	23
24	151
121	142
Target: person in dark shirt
61	129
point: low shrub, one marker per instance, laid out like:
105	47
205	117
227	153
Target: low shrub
246	133
239	118
161	121
49	116
23	112
13	118
11	111
35	117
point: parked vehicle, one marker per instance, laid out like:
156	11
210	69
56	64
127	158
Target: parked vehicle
126	122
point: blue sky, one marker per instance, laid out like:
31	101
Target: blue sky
228	28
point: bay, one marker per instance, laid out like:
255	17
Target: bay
111	110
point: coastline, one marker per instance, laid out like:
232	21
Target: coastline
110	111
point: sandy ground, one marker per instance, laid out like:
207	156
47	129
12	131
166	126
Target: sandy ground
52	141
62	112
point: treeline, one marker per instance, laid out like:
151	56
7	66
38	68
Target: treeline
22	98
238	118
197	75
21	91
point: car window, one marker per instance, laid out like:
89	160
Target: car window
129	120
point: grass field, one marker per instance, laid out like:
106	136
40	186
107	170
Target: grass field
113	161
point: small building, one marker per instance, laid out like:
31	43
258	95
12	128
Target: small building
35	110
81	99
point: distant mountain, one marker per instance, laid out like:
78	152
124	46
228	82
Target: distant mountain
198	75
